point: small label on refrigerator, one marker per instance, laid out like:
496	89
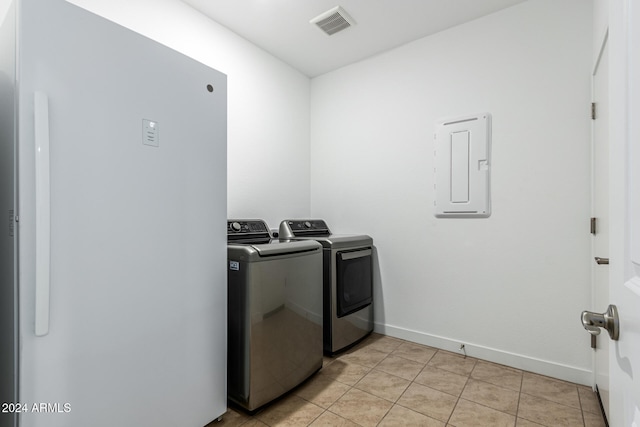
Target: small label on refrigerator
234	265
150	133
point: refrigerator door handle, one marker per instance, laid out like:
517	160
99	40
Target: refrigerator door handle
42	214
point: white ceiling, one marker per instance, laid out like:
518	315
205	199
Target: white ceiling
281	27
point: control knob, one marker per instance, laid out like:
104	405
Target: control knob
307	224
235	226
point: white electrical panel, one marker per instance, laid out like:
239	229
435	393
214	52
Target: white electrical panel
462	167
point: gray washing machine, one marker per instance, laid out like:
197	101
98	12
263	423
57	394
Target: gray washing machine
347	281
274	313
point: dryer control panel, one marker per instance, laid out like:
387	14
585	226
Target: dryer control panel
303	227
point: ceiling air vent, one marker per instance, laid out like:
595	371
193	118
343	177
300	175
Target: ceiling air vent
333	20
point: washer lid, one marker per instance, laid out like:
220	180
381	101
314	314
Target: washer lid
287	248
272	251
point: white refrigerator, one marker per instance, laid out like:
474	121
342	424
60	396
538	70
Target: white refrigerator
113	300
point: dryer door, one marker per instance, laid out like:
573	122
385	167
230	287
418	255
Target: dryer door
354	284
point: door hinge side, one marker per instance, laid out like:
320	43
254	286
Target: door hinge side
593	111
593	226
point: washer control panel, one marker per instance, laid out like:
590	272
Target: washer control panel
247	230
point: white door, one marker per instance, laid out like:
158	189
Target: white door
624	138
600	211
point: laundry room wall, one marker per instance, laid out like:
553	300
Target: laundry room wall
268	105
510	287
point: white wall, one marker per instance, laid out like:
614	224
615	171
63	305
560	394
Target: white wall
511	287
268	122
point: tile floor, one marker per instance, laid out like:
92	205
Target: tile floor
386	381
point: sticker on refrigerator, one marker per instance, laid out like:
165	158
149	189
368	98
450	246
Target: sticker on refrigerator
150	133
234	265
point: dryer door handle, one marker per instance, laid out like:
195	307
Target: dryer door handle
355	254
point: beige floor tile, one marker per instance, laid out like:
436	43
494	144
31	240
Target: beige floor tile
290	411
415	352
400	416
428	401
361	407
381	384
254	423
231	418
589	400
470	414
431	388
453	363
551	389
322	390
326	361
329	419
548	413
364	356
347	373
499	375
498	398
400	367
382	343
442	380
521	422
593	420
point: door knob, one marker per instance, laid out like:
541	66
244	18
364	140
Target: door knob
601	261
608	320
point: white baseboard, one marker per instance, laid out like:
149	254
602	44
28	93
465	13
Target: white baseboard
518	361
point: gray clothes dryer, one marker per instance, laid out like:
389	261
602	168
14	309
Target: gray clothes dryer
274	313
347	281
